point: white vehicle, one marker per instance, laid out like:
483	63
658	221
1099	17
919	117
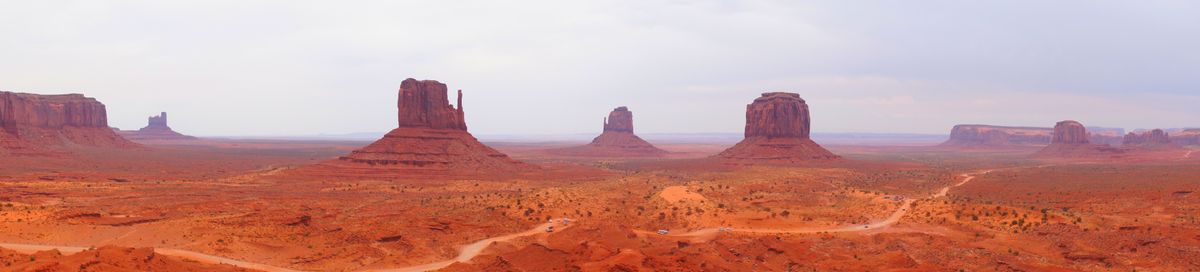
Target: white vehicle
663	232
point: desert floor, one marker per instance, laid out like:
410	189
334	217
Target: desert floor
244	203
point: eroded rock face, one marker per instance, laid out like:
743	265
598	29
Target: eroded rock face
1070	132
985	135
32	122
424	104
431	138
1187	137
619	120
617	140
1156	136
777	131
156	129
778	115
1071	141
1154	139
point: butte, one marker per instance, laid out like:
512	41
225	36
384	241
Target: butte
617	140
1157	139
431	140
32	124
156	129
777	132
1070	140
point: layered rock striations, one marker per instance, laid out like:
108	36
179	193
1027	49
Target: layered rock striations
156	129
31	122
431	137
1155	140
777	131
1071	140
617	140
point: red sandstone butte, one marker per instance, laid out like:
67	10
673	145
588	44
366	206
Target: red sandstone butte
617	140
777	131
1070	140
1154	139
156	129
431	137
30	123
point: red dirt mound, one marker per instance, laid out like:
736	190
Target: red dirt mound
777	131
103	259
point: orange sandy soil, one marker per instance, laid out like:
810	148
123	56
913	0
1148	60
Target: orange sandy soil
240	200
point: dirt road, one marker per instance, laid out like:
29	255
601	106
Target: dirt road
894	218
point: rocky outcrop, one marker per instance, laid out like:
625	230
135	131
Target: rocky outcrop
997	136
156	129
1187	137
32	122
1070	140
1155	140
1070	132
777	131
617	140
431	138
1108	136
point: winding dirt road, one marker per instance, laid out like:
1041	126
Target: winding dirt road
466	253
894	218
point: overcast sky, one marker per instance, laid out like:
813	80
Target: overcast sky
292	67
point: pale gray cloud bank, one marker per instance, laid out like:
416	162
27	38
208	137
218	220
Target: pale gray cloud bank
543	67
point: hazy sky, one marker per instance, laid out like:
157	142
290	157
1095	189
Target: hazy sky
292	67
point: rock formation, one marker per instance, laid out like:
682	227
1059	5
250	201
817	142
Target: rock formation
156	129
431	138
1187	137
1108	136
995	136
1070	140
617	140
32	122
1155	140
777	131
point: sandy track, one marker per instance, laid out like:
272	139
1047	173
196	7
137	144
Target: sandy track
178	253
892	219
466	253
470	251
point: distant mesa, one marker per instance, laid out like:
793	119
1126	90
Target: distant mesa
431	138
156	129
33	123
617	140
1189	136
777	131
984	136
1157	139
1071	140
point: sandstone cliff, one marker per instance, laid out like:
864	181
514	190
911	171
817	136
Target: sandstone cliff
32	122
617	140
431	138
777	131
1070	140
